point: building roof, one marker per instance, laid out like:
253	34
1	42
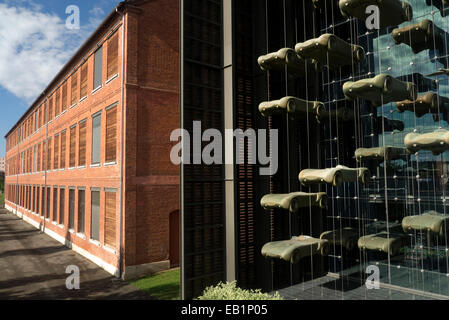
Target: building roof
83	47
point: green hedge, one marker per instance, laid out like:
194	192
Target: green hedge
230	291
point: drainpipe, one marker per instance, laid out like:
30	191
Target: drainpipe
121	143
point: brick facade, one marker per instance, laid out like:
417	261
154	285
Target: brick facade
142	176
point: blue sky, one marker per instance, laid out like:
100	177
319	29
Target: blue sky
34	45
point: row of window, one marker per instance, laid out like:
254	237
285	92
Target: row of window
52	152
50	203
59	100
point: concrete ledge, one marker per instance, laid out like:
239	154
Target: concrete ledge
142	270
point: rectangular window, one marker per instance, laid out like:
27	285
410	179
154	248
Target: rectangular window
63	150
40	122
72	152
50	108
56	153
111	134
58	102
36	118
38	209
55	204
98	69
44	156
109	219
64	96
112	67
61	205
95	216
71	209
34	200
81	210
47	212
83	81
49	154
38	158
74	89
82	144
35	159
96	139
42	212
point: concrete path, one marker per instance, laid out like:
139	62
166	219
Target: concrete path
32	266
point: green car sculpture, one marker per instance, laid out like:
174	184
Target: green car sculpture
391	12
342	114
390	243
294	201
335	176
380	153
430	102
380	90
421	36
330	50
437	142
430	221
292	106
346	238
295	249
287	57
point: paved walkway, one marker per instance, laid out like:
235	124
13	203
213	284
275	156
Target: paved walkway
32	266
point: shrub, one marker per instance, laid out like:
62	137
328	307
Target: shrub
230	291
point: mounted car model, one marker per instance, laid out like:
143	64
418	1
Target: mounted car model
380	90
292	106
391	12
437	142
294	201
334	176
330	50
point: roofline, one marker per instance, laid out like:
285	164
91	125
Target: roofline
83	47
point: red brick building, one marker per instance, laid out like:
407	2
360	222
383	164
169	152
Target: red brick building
89	162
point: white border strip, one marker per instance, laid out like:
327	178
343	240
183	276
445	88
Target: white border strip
102	264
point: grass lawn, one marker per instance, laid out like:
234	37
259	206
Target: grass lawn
2	200
161	286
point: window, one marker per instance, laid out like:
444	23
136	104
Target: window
111	134
44	159
81	209
96	138
55	203
74	89
38	169
50	108
35	159
112	67
98	69
38	209
58	102
34	200
64	96
83	82
49	154
63	150
56	153
82	144
61	205
36	118
47	212
72	151
95	215
71	209
109	218
43	201
40	122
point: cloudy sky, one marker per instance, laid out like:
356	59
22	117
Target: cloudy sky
34	45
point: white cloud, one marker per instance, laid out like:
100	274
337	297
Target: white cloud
34	46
